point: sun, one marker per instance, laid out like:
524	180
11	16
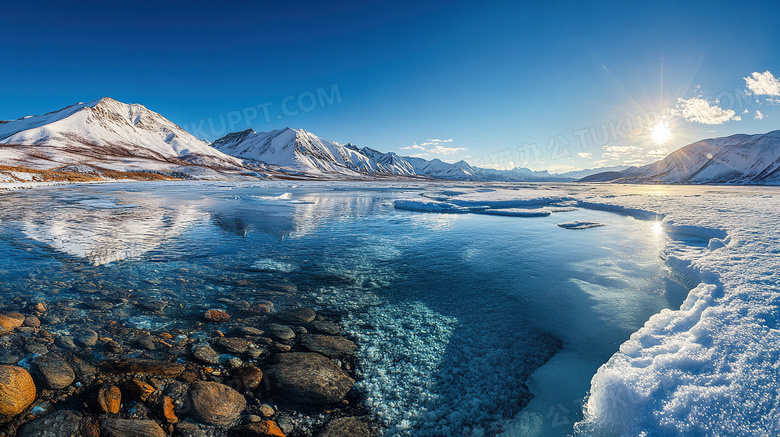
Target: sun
660	133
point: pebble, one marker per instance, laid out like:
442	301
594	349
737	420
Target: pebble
216	316
266	410
137	390
280	332
146	342
85	337
246	378
65	342
99	305
144	366
32	322
205	354
216	404
17	390
266	428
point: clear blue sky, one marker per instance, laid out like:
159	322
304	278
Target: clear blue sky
498	79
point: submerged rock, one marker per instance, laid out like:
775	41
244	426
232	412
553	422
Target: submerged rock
349	426
298	316
53	372
205	354
144	366
109	399
216	316
11	321
280	332
56	424
265	428
17	390
216	404
130	428
86	337
308	378
332	346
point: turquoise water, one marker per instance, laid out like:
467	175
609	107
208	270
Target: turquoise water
462	319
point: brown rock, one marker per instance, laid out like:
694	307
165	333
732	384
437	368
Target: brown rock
332	346
143	366
137	390
109	399
247	377
131	428
40	307
216	316
349	427
168	410
32	322
232	344
308	378
11	321
216	404
265	428
298	316
17	390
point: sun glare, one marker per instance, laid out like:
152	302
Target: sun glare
660	133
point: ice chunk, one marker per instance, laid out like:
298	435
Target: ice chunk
519	212
429	206
580	224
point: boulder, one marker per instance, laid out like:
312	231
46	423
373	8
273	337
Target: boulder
216	404
17	390
308	378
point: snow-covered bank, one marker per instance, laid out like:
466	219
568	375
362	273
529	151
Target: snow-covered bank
711	367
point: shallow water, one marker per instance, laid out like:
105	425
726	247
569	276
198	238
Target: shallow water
461	318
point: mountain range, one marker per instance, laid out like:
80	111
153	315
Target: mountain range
737	159
105	136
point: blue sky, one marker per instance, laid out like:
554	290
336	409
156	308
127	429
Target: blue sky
554	85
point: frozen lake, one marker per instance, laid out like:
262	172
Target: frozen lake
468	324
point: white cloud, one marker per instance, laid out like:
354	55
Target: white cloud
446	150
414	147
763	84
660	152
599	163
759	115
562	168
702	111
746	111
585	155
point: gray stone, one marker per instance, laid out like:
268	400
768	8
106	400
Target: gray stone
205	354
56	424
280	332
349	427
86	337
52	372
130	428
307	377
325	327
216	404
332	346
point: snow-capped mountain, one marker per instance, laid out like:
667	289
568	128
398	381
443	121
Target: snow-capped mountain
737	159
109	134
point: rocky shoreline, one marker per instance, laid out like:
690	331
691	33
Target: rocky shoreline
250	372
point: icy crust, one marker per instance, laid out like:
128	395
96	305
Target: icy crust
711	367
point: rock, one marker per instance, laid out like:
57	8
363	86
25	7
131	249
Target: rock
280	332
332	346
8	357
85	337
11	321
232	345
168	410
36	348
17	390
255	352
205	354
349	427
146	342
326	327
299	330
216	404
32	322
131	428
53	372
40	307
285	422
265	428
143	366
247	378
99	305
308	378
109	399
217	316
244	330
298	316
65	342
188	429
266	410
137	390
57	424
